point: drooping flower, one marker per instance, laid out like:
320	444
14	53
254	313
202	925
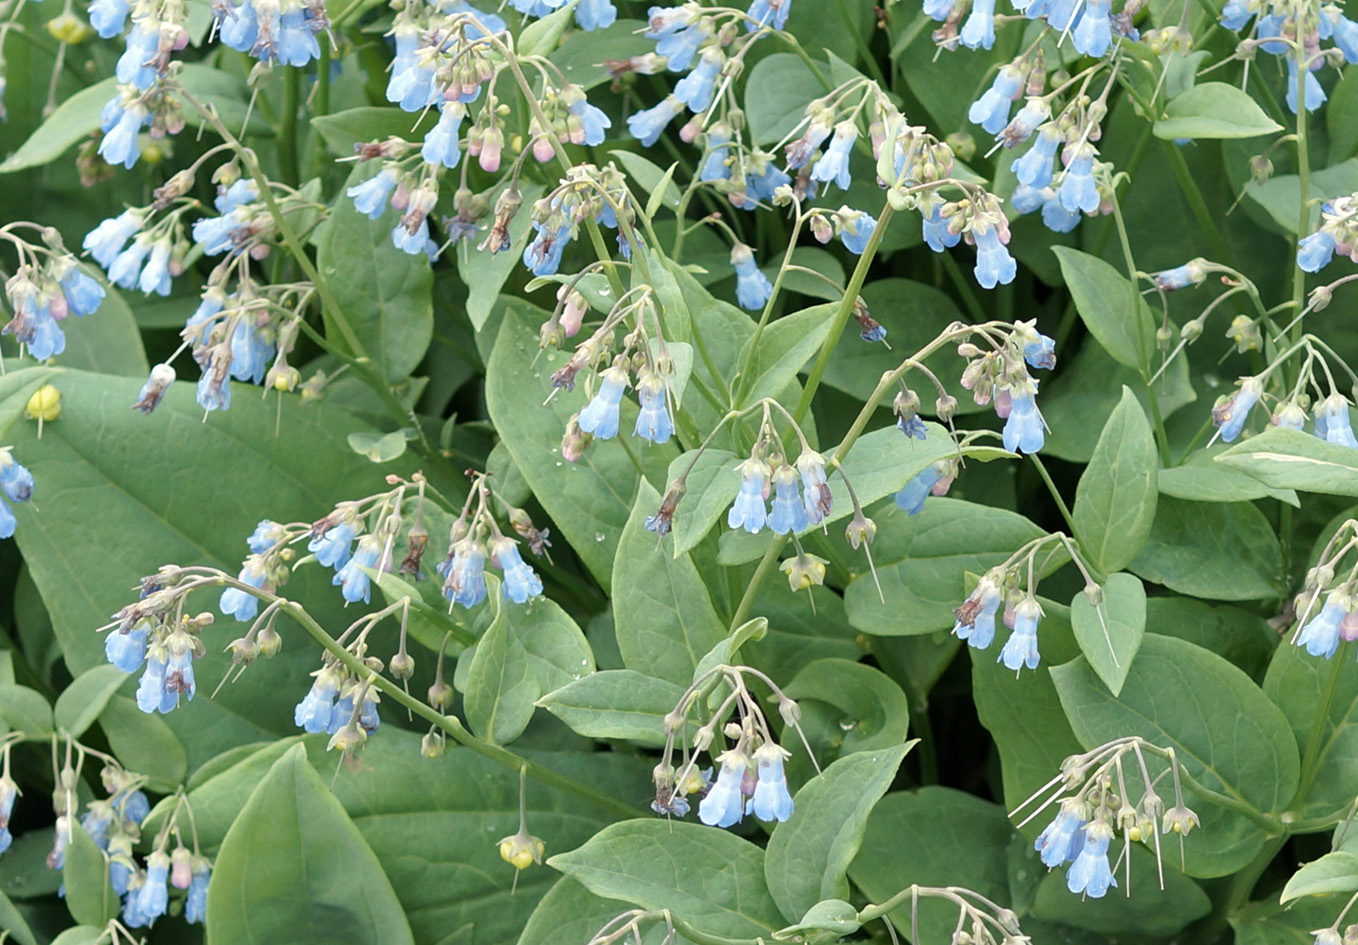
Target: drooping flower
195	904
753	288
353	580
1315	251
979	29
817	499
443	144
1233	410
332	548
724	803
317	708
1332	422
695	89
772	13
1091	874
521	581
834	163
991	110
646	125
372	196
976	617
1034	166
1063	838
1023	432
913	493
1320	635
1078	190
653	420
787	513
994	265
771	801
127	651
600	416
855	229
748	510
1021	647
241	604
464	573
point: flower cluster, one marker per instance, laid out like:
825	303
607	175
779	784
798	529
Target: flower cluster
1093	806
243	331
47	286
1322	631
1295	31
339	705
1338	233
1090	26
16	485
751	778
1001	377
474	538
976	620
1329	415
801	495
165	645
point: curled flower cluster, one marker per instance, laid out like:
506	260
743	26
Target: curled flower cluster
338	705
751	779
1000	376
1330	415
801	494
47	286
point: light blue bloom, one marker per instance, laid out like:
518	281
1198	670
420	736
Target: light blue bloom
912	428
595	14
1094	33
238	27
787	514
442	144
333	547
179	677
465	574
238	194
83	294
353	580
653	420
1056	217
1320	635
47	339
543	255
108	17
1034	166
979	29
155	278
1332	422
127	651
1078	190
142	45
1021	647
413	243
217	234
106	240
127	267
15	479
1090	873
1231	413
1063	838
772	13
297	43
1040	353
936	232
1315	92
521	581
817	499
718	153
748	511
772	801
834	163
241	604
315	711
367	711
976	617
7	521
939	10
762	178
600	415
251	352
1345	33
724	804
1023	431
132	806
1235	14
911	497
994	265
753	288
695	89
991	110
594	123
195	904
119	145
1034	112
1180	277
1315	252
855	229
647	124
265	536
344	711
151	694
154	897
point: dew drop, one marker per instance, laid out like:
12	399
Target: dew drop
598	536
848	725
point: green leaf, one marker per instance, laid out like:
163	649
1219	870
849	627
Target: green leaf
665	620
582	57
78	115
13	920
25	710
1333	873
294	868
1202	479
108	341
540	37
1244	638
651	178
1291	459
1110	640
1214	110
527	651
828	915
712	487
1280	195
1149	910
141	492
808	855
344	129
615	703
1111	307
568	915
1213	550
953	839
727	649
379	447
387	293
590	500
875	715
1115	500
923	570
776	94
711	879
1225	731
79	935
483	273
144	743
1267	923
89	897
784	348
1299	684
84	699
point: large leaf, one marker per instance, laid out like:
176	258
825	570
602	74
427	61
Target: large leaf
1111	307
1291	459
590	500
953	839
809	854
784	349
1202	479
1335	872
1110	635
294	868
664	618
1224	730
89	896
526	652
923	571
81	702
146	491
776	94
872	713
1149	910
711	879
1214	110
1115	500
712	486
616	703
570	914
108	341
1301	684
386	293
1220	551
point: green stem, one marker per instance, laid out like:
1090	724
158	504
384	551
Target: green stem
765	566
1196	202
288	163
841	316
1055	493
1310	762
451	724
1304	211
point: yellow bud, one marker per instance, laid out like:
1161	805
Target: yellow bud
286	379
69	28
45	404
803	571
522	850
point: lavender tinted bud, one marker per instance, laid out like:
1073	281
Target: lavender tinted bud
945	407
